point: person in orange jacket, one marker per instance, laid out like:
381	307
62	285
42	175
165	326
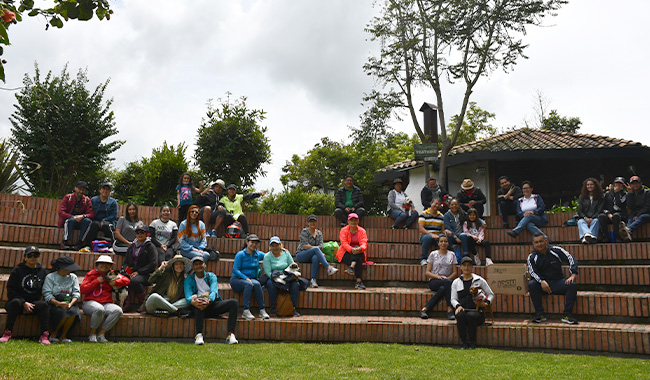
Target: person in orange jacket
352	251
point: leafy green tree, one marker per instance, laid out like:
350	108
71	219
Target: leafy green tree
11	13
231	144
62	126
476	125
557	123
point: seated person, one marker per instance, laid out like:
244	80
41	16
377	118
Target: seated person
471	196
279	259
245	277
140	261
431	225
530	212
125	229
61	292
24	291
474	229
348	200
105	210
212	211
232	203
507	196
638	203
454	219
75	213
441	271
431	191
168	294
615	211
590	205
191	234
352	250
400	206
164	235
309	250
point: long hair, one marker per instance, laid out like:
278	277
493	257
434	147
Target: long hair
598	190
128	217
477	222
188	227
180	180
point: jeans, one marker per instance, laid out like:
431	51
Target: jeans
442	287
97	311
467	321
507	208
248	288
294	289
158	302
531	223
584	227
314	256
428	243
191	254
557	287
464	248
215	309
15	307
640	220
399	216
72	224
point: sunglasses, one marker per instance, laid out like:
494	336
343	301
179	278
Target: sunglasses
32	254
194	212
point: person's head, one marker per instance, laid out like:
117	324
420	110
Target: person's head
397	184
193	215
252	242
232	190
185	179
443	242
103	264
165	213
432	182
466	265
64	265
218	186
31	256
527	188
80	188
504	182
141	232
619	183
435	205
454	206
275	244
198	265
467	185
312	220
540	242
177	263
592	187
131	212
105	190
472	216
353	219
349	181
635	183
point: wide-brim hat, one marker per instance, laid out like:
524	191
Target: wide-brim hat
104	259
467	184
219	182
177	258
65	263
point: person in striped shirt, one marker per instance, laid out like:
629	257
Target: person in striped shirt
431	224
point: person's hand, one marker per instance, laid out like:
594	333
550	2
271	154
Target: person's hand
610	216
163	265
135	273
628	188
528	213
458	240
100	279
479	241
448	233
78	218
588	220
634	218
164	248
348	210
29	307
101	224
249	280
472	203
129	242
308	246
262	193
178	206
546	287
220	208
442	277
458	310
571	279
198	250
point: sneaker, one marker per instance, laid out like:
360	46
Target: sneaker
296	313
45	338
423	262
477	261
423	314
313	283
539	318
161	313
393	228
589	238
512	233
6	336
198	339
350	271
359	285
451	316
213	233
231	338
92	338
66	341
488	261
584	240
102	339
472	345
331	270
624	232
54	340
247	315
264	314
506	225
569	319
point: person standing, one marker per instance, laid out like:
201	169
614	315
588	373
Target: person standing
75	213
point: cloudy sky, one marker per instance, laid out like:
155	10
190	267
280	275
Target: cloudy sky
301	61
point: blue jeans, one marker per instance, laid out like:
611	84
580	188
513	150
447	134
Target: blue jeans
428	242
314	256
531	223
248	288
294	288
463	244
71	224
192	254
400	216
584	228
640	220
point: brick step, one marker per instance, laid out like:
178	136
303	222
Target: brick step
504	333
618	252
555	234
554	220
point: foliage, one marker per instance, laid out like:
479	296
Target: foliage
61	125
231	144
425	42
476	125
298	201
83	10
11	175
565	207
557	123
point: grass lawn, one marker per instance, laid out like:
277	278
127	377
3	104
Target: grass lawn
22	359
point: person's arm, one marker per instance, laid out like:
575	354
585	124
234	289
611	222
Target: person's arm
88	208
359	195
480	197
156	275
236	266
481	233
582	208
188	287
178	197
520	213
426	197
304	239
339	199
47	289
531	269
63	208
363	239
645	209
450	224
319	239
174	236
568	258
150	259
122	281
392	195
111	211
540	206
266	264
344	237
516	193
428	272
204	242
454	293
185	242
89	283
118	231
214	286
465	229
488	291
154	241
250	196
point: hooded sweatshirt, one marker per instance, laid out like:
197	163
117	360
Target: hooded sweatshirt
26	283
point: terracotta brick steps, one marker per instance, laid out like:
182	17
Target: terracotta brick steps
619	252
555	234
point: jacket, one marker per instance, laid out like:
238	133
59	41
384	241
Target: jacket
458	291
616	202
67	205
210	199
427	195
392	196
548	266
234	207
345	246
145	263
516	194
307	238
108	209
191	289
357	197
451	225
192	237
26	283
477	196
247	266
481	230
162	279
590	209
538	211
92	290
639	203
56	285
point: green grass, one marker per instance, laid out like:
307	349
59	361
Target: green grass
21	359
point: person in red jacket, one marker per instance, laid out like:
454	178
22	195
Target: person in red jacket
98	301
75	213
352	251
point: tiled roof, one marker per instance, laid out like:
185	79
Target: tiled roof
530	139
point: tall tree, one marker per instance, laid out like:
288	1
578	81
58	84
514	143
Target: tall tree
231	144
557	123
425	42
476	125
62	126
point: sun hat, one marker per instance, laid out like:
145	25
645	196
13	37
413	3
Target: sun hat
467	184
104	259
65	263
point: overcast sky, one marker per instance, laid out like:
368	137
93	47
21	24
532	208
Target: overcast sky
301	61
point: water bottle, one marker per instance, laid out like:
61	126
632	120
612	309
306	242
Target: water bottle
67	298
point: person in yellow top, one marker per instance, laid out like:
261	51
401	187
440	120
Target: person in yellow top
232	202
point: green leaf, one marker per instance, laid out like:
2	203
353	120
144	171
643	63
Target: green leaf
2	72
4	38
73	11
33	13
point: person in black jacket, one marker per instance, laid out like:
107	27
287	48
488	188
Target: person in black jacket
212	211
507	196
430	191
24	290
140	261
471	196
615	211
590	205
545	268
348	200
638	202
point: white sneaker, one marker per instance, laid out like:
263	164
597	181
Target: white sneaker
101	339
477	261
264	314
423	262
231	339
313	283
247	315
331	270
488	262
92	338
198	339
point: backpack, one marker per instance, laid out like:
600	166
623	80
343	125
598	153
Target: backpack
234	231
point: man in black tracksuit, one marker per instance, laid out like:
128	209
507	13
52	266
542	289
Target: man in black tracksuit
545	267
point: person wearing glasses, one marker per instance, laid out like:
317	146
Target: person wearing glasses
191	234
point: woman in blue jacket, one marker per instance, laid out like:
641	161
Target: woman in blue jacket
530	212
191	234
245	273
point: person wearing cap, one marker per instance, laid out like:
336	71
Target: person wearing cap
468	316
353	247
125	229
192	236
245	277
545	268
212	211
140	261
105	210
24	291
471	196
590	205
615	211
638	204
400	206
202	292
278	259
61	291
431	191
75	213
507	197
530	212
348	199
310	250
97	289
168	294
164	234
232	202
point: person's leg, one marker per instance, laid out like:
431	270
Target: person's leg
583	228
413	216
199	315
137	284
604	222
536	292
480	209
505	207
182	213
488	249
427	242
230	306
640	220
398	216
570	291
474	319
42	310
14	308
259	293
594	227
273	295
69	226
206	216
360	211
91	233
244	223
181	304
242	286
83	228
471	247
161	255
461	325
294	289
534	224
158	302
358	267
464	244
95	311
341	215
438	286
107	230
113	314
